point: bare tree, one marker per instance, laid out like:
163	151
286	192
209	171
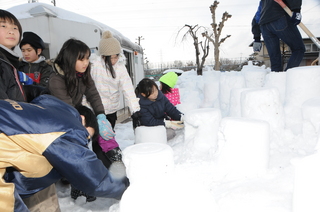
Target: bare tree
192	31
215	37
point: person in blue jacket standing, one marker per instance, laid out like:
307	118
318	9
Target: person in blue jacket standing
43	141
275	24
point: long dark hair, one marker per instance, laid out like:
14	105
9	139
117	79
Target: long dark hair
71	51
7	16
145	86
107	60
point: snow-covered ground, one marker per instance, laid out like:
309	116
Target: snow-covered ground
249	144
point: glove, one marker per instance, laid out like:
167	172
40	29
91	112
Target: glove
105	129
296	18
257	46
24	79
118	170
174	124
136	119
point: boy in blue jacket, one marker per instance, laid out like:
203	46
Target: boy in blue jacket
43	141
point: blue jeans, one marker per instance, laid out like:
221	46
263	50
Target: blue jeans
285	30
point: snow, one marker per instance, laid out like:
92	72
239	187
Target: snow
178	71
249	144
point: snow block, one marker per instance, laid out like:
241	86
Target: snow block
149	169
277	80
303	83
263	104
144	134
148	161
254	75
211	89
311	112
235	101
311	119
155	187
228	81
306	189
244	148
191	91
201	130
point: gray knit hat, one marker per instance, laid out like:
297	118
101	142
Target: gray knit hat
108	45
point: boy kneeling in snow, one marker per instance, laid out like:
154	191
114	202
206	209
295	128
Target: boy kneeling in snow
43	141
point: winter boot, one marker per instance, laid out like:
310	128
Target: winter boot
89	198
75	193
64	181
114	155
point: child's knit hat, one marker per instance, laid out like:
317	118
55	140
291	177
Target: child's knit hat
33	39
108	45
169	79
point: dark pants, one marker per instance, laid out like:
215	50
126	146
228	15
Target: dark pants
112	118
285	30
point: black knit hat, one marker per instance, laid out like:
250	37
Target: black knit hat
33	39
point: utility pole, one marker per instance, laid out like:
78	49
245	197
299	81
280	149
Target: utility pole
53	2
139	39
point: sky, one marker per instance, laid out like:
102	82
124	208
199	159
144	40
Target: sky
158	23
245	147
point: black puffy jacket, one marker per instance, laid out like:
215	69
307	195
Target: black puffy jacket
10	87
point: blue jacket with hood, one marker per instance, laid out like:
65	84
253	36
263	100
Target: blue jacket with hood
153	113
41	142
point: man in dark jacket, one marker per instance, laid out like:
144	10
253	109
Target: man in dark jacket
275	24
43	141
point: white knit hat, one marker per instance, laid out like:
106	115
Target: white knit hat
108	45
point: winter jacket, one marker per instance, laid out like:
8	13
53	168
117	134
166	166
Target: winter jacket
37	150
10	87
110	88
39	71
58	89
269	11
174	96
153	113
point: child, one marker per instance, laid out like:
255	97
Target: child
10	35
155	106
167	83
72	80
36	150
33	63
111	77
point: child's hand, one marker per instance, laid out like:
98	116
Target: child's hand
174	124
24	79
105	129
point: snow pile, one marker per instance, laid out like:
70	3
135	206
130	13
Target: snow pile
250	144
